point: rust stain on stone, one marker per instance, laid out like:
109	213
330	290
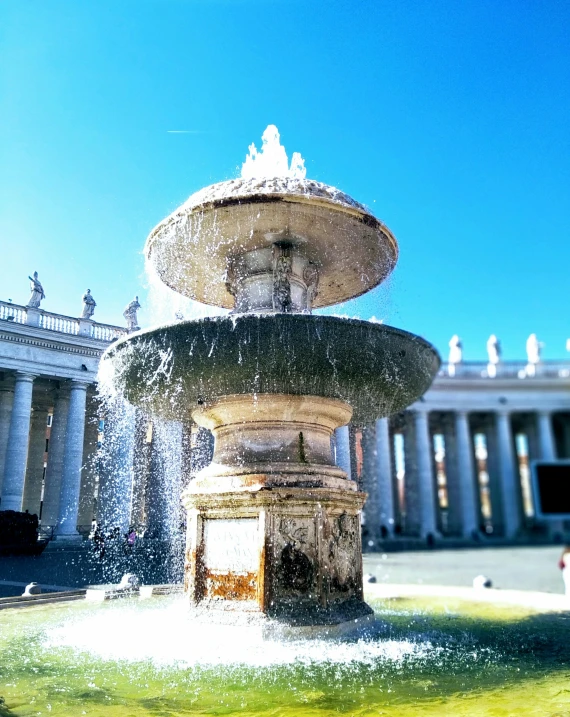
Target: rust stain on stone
231	586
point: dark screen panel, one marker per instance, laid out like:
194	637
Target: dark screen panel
553	483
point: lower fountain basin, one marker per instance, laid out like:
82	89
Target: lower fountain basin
430	656
376	369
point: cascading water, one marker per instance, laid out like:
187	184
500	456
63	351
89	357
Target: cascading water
272	382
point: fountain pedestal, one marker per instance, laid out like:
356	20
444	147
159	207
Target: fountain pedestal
273	524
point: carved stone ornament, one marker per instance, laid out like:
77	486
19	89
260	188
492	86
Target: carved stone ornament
296	570
230	278
311	279
282	269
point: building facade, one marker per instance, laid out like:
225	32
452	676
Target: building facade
453	468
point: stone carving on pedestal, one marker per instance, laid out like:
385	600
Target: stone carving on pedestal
343	535
311	278
230	278
282	269
37	290
88	305
130	314
295	569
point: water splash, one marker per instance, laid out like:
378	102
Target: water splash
137	632
271	160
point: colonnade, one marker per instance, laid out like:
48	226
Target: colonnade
44	447
456	474
428	473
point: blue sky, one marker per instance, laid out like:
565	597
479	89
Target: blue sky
448	119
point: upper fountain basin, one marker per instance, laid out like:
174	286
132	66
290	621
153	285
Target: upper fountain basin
171	370
193	248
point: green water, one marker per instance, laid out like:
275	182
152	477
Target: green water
442	657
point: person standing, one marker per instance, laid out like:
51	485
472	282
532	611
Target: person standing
564	565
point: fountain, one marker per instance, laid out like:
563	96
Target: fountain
273	523
273	530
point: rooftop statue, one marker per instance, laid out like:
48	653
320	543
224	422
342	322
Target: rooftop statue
130	314
533	349
37	292
88	305
455	349
493	349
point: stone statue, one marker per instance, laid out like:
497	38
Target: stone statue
37	292
283	267
130	314
533	349
455	350
88	305
311	278
493	349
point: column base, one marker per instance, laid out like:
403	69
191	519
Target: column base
68	538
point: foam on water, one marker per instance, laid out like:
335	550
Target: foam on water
167	636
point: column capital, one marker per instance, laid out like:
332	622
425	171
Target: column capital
78	384
21	376
461	413
546	412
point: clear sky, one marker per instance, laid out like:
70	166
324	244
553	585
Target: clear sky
449	119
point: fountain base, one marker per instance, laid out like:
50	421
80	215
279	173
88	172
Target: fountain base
273	524
291	554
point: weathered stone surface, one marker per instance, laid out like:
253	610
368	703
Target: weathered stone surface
193	247
291	554
171	370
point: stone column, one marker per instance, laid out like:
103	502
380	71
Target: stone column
6	401
72	462
89	468
454	514
467	480
17	449
342	452
384	475
35	468
114	502
52	483
371	510
164	512
426	484
141	467
546	437
548	453
412	498
510	484
495	483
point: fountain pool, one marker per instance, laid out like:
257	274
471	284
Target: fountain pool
436	656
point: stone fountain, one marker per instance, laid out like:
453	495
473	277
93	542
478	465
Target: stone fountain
273	526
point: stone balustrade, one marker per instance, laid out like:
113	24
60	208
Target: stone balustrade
12	312
505	369
58	322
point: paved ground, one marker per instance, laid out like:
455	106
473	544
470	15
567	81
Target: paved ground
520	568
524	568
